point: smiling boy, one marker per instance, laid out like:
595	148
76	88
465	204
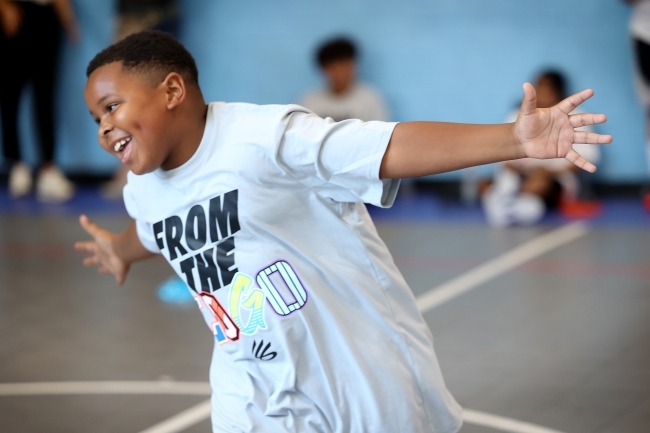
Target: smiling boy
260	210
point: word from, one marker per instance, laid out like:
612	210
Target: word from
215	265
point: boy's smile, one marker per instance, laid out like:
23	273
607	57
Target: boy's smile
133	118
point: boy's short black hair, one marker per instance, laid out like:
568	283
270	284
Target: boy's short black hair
335	50
149	51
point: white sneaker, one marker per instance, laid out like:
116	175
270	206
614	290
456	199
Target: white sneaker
20	180
528	209
53	187
497	208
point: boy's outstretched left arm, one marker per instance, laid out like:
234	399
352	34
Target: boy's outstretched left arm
112	253
423	148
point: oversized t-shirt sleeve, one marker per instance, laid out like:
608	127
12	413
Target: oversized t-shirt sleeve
143	228
338	160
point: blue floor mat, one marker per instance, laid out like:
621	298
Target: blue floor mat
422	206
86	200
425	207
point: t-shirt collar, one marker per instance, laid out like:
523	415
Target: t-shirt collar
190	165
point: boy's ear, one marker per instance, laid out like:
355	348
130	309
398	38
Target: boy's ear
175	89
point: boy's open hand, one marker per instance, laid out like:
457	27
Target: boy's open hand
550	132
102	251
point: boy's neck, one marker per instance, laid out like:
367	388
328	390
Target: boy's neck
193	121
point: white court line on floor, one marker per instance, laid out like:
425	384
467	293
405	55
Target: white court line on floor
105	387
183	420
502	423
201	411
500	265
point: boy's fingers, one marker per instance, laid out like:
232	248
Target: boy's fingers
579	161
584	137
569	104
529	103
91	261
586	119
119	279
88	226
85	246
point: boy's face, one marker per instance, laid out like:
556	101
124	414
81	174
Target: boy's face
547	94
340	74
132	116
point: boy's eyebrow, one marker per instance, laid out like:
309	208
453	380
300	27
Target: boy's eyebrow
105	97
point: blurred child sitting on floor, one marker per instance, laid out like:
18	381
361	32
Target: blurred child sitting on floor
343	97
525	189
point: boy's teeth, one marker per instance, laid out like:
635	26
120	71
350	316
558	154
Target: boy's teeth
120	145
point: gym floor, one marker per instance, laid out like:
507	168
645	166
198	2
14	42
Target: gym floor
538	330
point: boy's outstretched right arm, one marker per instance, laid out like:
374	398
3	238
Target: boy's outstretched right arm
111	252
424	148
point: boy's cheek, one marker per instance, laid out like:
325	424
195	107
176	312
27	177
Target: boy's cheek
104	145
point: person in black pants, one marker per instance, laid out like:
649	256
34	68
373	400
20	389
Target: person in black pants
29	48
639	28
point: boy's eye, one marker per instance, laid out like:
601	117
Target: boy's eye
111	107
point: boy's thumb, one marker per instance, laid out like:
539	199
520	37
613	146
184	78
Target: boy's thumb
87	225
529	103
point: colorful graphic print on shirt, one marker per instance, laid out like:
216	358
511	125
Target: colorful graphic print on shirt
207	269
247	303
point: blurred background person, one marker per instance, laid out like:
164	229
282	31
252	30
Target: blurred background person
525	189
135	16
640	33
138	15
343	97
29	48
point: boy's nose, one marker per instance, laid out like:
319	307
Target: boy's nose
104	129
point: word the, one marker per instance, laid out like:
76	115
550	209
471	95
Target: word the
210	268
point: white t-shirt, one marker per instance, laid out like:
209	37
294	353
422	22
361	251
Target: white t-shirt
640	21
360	102
316	329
